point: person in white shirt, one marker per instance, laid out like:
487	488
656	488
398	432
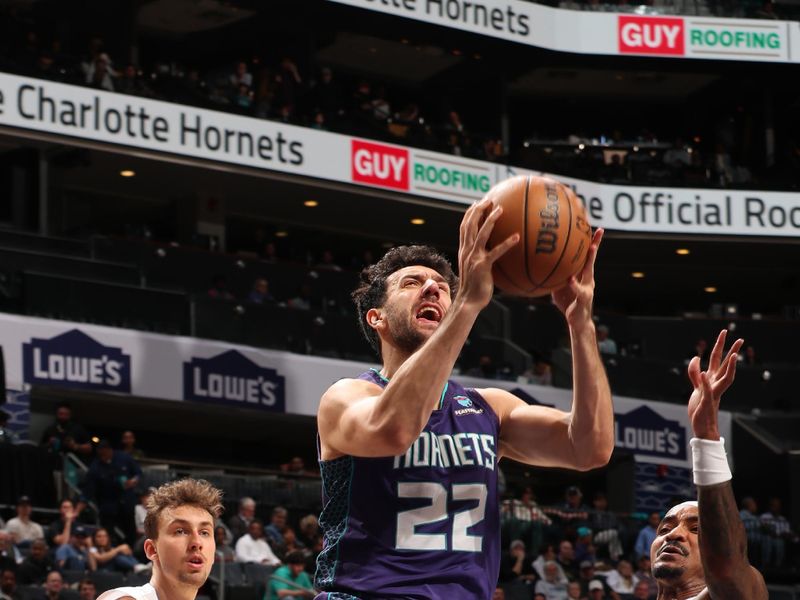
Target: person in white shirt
180	541
21	527
253	546
622	580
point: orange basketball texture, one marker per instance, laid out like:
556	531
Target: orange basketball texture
555	235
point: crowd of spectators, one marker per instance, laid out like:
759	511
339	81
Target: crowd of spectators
316	96
573	551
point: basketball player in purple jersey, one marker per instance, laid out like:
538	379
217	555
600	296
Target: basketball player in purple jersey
409	457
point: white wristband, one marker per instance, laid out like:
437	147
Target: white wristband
709	461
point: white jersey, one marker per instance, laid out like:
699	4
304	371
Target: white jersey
143	592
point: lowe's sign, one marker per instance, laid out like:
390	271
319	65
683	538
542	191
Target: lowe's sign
232	378
644	431
75	360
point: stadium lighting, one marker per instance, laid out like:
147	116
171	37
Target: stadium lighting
637	275
682	251
417	221
281	234
127	173
710	289
311	203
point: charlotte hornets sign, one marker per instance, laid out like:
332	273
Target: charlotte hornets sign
75	360
232	378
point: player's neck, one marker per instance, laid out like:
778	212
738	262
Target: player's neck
680	591
393	359
167	589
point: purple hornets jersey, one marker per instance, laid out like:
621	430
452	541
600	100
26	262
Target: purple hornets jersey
422	525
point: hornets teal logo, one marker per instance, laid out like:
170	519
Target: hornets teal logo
468	405
463	401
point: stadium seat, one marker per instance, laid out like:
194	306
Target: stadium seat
106	580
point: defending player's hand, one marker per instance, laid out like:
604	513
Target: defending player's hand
709	386
575	298
475	260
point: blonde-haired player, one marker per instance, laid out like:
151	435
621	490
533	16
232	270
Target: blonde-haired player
179	527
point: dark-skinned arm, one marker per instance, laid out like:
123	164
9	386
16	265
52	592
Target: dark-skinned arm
722	536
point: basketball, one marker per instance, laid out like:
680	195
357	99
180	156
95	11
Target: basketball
555	235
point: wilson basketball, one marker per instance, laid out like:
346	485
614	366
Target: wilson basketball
555	235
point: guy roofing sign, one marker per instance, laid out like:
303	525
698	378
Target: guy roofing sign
703	38
594	32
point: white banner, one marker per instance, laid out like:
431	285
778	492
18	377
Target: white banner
591	32
104	359
130	121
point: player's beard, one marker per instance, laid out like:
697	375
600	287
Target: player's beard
404	335
668	572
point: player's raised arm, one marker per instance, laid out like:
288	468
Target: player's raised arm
722	536
420	331
583	438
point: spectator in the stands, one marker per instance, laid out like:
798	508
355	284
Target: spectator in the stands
644	573
304	298
500	594
326	96
260	293
701	350
777	534
584	546
59	531
87	589
54	588
269	252
572	513
75	555
752	526
288	83
22	528
139	514
243	99
296	466
622	580
749	357
566	560
219	288
647	535
642	591
240	76
597	590
10	556
253	547
606	526
585	576
292	544
309	530
291	582
224	549
108	557
551	586
516	564
6	435
327	261
486	368
573	590
111	482
240	522
128	445
99	72
276	528
541	373
8	585
264	94
548	555
522	519
34	569
605	344
678	157
65	435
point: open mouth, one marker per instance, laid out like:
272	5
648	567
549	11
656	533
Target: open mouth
195	561
672	550
429	313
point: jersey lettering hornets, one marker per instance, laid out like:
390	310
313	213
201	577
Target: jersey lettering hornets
421	525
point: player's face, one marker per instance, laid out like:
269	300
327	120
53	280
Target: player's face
675	554
184	549
417	299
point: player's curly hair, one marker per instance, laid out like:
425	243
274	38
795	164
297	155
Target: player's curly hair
192	492
371	291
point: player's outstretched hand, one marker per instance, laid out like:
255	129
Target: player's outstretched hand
575	298
709	386
475	260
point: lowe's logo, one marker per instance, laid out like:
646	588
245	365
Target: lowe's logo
644	431
75	360
232	378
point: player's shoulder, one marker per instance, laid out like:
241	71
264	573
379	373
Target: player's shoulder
144	592
348	389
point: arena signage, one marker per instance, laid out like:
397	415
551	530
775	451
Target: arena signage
77	112
75	360
595	32
232	378
182	369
